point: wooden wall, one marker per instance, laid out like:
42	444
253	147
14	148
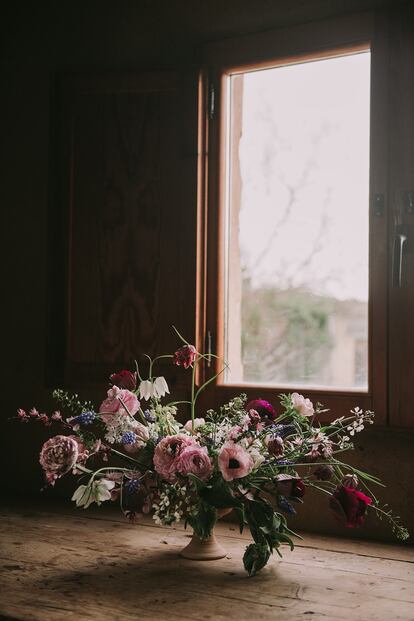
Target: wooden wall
40	43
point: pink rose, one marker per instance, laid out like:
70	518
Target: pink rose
195	460
58	455
112	404
198	422
166	453
234	461
302	406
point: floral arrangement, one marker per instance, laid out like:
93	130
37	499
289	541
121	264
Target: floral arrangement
246	457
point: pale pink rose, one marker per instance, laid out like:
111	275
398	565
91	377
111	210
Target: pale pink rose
234	461
302	406
112	404
194	459
167	452
58	455
198	422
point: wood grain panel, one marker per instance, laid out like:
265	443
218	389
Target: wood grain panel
130	196
401	182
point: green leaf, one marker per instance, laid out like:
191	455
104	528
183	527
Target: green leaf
203	521
255	558
198	483
239	511
219	495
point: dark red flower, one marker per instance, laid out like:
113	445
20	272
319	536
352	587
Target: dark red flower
290	487
124	379
349	506
185	356
265	410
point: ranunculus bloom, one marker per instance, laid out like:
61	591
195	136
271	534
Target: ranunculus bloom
194	459
264	409
349	506
185	356
166	453
58	455
124	379
198	422
302	406
234	461
112	404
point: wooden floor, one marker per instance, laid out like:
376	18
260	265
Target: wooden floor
79	565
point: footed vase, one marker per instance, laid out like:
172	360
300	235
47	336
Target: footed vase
205	549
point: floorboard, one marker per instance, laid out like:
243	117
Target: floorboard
59	565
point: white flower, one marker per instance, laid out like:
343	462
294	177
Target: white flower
97	491
145	390
302	406
157	389
257	457
160	387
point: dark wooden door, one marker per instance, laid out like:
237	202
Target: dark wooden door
123	223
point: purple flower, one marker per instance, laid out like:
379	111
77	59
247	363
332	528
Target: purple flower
264	409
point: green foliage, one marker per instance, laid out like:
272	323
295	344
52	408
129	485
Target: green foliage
71	402
255	558
146	454
219	494
203	520
269	531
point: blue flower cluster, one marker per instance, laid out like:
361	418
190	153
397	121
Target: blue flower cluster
86	418
283	430
132	486
149	417
129	437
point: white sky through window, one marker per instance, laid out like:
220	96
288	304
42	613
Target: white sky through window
304	149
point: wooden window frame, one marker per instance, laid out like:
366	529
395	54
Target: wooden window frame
323	39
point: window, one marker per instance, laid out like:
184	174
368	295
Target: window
295	295
296	236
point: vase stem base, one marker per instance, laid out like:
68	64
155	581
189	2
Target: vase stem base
203	550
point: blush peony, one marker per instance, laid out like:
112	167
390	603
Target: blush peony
195	460
167	452
112	404
302	406
234	461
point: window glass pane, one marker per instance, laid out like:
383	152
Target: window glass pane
296	287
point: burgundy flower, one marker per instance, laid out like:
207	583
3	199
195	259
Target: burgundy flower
264	409
349	506
185	356
124	379
290	487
